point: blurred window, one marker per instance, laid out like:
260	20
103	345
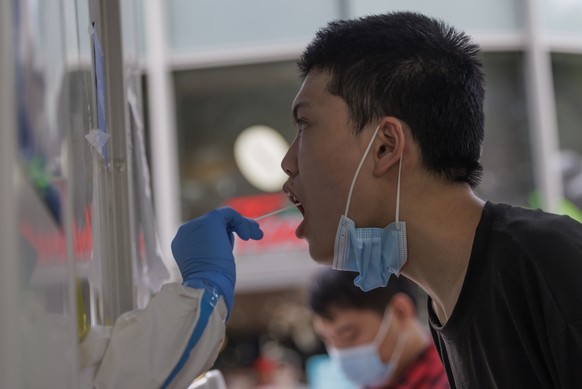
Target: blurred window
211	24
506	157
563	16
472	15
213	106
567	71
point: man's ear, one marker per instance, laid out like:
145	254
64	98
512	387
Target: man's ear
389	145
402	307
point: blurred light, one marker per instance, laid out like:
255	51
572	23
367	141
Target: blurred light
258	152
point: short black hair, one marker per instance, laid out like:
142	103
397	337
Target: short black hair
336	289
417	69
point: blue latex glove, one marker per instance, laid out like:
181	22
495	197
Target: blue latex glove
203	248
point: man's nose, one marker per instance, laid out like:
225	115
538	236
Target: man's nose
289	162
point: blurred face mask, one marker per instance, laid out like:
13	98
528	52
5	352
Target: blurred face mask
363	365
375	253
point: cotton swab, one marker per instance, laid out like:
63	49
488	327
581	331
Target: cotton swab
276	212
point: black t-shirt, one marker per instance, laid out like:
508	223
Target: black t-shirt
518	320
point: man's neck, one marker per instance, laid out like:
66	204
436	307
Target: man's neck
440	238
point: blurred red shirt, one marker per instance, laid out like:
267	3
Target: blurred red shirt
426	373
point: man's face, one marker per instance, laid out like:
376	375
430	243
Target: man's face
347	327
321	163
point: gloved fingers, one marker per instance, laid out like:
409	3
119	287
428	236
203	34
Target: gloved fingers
249	229
244	227
255	230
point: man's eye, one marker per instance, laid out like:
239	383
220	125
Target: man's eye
301	124
349	336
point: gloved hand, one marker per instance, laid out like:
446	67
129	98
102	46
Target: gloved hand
203	248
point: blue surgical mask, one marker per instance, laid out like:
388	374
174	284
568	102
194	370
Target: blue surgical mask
363	365
375	253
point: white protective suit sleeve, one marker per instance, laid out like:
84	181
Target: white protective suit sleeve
168	344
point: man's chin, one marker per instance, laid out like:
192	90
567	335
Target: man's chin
322	258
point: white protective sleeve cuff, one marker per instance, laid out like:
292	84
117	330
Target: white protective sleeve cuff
168	344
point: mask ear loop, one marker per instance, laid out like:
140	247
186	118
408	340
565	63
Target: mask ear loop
399	348
397	218
358	170
384	327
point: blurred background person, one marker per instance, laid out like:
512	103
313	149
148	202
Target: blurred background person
374	337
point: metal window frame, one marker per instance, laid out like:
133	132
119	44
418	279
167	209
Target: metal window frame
541	102
118	226
163	134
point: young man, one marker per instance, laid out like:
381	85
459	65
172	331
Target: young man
389	133
374	337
